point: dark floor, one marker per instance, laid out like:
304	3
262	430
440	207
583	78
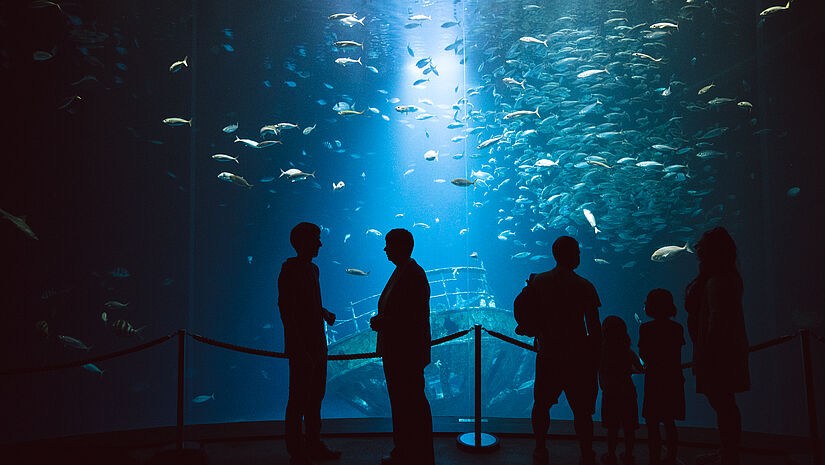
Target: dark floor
255	443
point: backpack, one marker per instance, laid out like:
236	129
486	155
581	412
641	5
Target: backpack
525	310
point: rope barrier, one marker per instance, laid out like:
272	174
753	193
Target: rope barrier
100	358
436	342
450	337
504	338
268	353
236	348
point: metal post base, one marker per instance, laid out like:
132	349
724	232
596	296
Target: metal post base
466	442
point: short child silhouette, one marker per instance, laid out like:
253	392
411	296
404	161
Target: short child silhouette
619	407
660	346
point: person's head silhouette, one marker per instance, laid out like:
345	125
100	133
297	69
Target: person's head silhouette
716	251
566	252
306	240
615	334
659	304
399	245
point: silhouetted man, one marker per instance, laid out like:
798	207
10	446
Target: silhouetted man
403	326
299	300
568	344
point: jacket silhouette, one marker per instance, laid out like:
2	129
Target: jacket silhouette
404	310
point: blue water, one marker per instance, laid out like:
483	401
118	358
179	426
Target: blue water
128	209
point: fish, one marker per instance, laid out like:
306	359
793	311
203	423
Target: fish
410	51
775	9
267	143
178	65
601	261
345	61
669	252
20	222
350	112
420	18
309	129
222	157
69	341
533	40
373	232
41	55
42	327
339	16
520	113
372	69
203	398
509	80
92	368
234	179
177	121
348	43
352	20
406	108
229	129
720	100
591	72
114	304
705	89
423	62
296	174
356	272
431	155
422	225
745	104
340	185
520	255
249	142
463	182
450	24
644	55
420	81
591	219
346	237
599	163
543	162
489	142
664	25
124	328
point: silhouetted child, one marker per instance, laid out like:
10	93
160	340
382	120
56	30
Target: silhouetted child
660	345
619	406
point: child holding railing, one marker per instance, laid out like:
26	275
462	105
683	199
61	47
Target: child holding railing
660	346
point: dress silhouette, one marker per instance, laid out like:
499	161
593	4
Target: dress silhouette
660	346
619	406
403	326
716	323
303	316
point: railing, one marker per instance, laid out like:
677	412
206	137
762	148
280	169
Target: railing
804	336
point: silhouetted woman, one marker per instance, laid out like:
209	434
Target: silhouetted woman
716	323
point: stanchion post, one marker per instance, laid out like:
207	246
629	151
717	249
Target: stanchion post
810	393
477	336
477	441
181	367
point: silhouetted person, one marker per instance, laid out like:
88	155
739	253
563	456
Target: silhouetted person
299	300
403	326
660	346
716	323
568	345
619	406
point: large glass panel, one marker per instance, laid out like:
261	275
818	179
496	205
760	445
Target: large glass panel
158	154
